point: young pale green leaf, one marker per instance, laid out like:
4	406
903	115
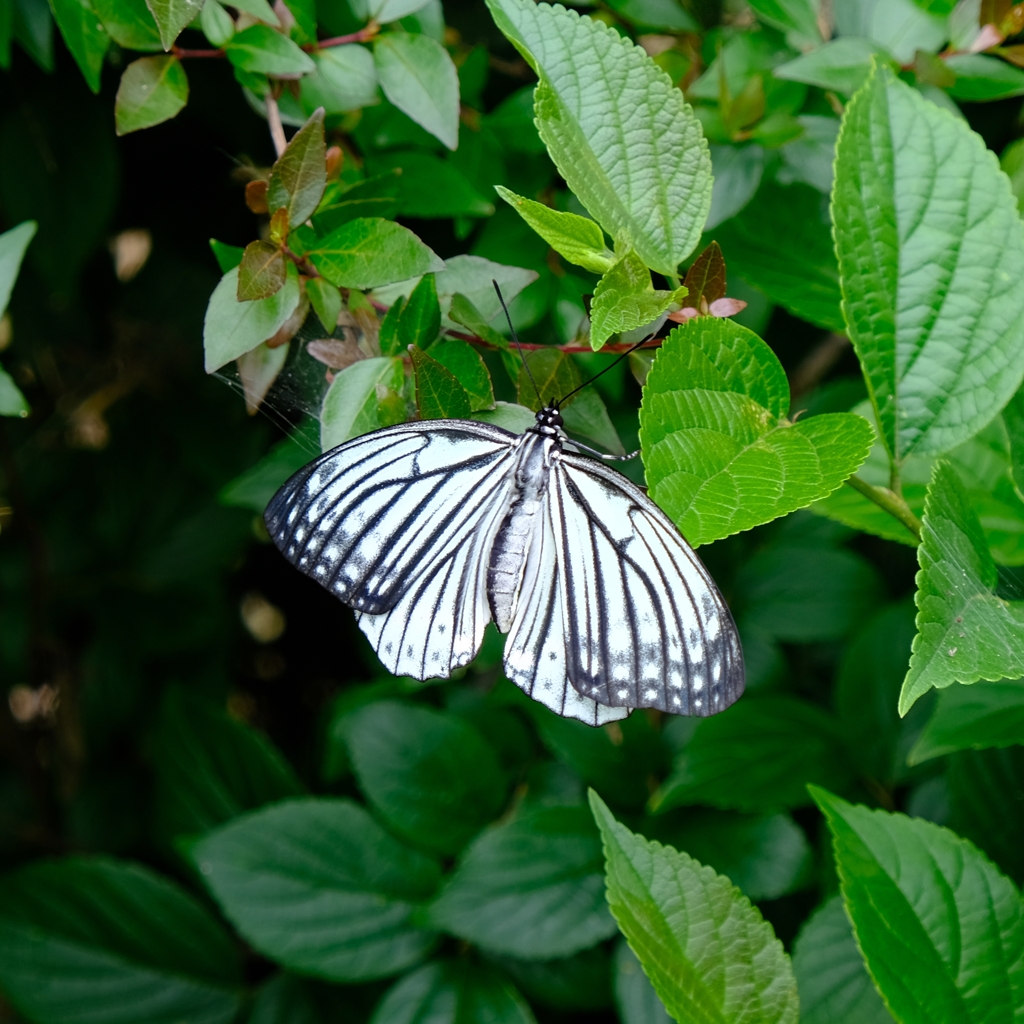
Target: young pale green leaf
546	374
12	401
13	244
781	243
369	252
419	78
171	16
130	24
841	65
420	323
635	997
85	36
758	756
227	256
579	239
439	395
981	79
320	887
930	252
719	455
973	718
152	90
325	299
530	887
964	631
469	369
830	974
217	25
233	328
299	176
345	79
941	930
351	405
430	775
625	299
262	272
618	131
211	768
260	50
450	992
91	939
709	954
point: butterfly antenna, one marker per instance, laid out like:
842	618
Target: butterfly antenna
515	338
610	366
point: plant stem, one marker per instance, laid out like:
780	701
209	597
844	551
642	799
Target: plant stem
274	120
889	501
364	35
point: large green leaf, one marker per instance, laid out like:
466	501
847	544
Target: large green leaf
130	24
172	16
930	252
759	755
352	405
152	90
941	930
530	888
13	244
299	176
707	951
469	369
617	130
439	395
319	886
85	36
431	776
965	632
86	940
369	251
720	456
260	50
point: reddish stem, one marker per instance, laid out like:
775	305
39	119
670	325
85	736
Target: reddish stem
364	35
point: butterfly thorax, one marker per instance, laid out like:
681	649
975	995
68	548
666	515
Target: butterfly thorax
511	546
549	422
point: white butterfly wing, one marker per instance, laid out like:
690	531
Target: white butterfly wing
644	623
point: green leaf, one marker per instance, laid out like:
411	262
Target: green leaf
12	401
91	939
841	65
84	35
345	79
369	252
429	775
718	453
981	79
579	239
318	886
262	272
625	298
130	24
757	756
955	247
940	928
260	50
172	16
350	406
211	768
1013	421
468	368
232	328
830	974
374	197
13	244
1012	165
385	11
635	997
587	416
152	90
419	78
464	312
782	243
450	992
217	25
228	256
579	982
254	488
260	10
799	17
284	999
431	187
551	376
604	107
964	631
709	954
299	176
420	323
325	299
973	718
439	395
531	887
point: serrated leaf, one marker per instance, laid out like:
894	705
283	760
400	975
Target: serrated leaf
258	49
13	244
709	954
171	16
579	239
232	328
325	299
530	887
152	90
262	272
350	407
619	133
625	299
299	176
719	455
551	376
955	247
758	756
85	36
439	395
941	930
320	887
468	368
417	76
369	252
964	631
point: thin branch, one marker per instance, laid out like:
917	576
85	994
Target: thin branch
889	502
364	35
274	120
182	53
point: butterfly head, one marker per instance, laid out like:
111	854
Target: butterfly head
549	420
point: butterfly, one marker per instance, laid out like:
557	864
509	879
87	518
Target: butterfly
430	530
